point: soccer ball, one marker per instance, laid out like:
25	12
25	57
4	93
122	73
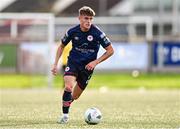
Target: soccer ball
92	116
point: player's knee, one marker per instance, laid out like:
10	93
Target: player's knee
68	88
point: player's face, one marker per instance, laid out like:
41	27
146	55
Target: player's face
85	22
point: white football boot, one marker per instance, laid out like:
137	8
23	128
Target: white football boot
63	120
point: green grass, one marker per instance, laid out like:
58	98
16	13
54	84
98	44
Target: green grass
142	81
10	55
110	80
121	109
22	81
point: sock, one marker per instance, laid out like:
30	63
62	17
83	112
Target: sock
67	100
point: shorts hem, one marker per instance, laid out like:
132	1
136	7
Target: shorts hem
70	74
80	86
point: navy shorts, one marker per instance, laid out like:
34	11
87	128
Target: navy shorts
82	75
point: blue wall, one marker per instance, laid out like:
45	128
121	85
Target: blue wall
171	53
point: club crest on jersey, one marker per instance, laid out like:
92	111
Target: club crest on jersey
90	38
67	69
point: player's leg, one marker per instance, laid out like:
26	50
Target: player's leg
82	81
77	91
70	82
62	71
70	75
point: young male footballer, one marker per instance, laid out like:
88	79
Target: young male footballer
86	39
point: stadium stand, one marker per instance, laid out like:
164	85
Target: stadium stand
47	6
72	9
30	6
102	8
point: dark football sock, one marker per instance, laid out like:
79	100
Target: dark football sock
67	100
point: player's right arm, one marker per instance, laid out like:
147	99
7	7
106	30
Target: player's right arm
64	41
58	55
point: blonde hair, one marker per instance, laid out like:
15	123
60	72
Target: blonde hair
85	10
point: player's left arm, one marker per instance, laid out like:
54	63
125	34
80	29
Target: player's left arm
109	52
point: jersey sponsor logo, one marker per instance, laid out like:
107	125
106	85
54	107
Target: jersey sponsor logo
67	69
84	50
84	45
90	38
65	37
76	38
66	34
106	40
102	35
87	81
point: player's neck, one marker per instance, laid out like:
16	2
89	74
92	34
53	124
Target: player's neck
84	29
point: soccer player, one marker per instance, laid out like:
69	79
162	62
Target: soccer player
86	39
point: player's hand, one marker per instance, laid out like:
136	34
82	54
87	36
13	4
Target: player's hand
54	70
91	65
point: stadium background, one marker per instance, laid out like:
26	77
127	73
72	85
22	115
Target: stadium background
140	81
136	50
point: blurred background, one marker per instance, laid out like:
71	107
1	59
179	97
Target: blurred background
145	35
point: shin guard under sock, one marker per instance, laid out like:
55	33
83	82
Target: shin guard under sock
67	100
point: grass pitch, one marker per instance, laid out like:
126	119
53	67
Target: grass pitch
111	80
121	109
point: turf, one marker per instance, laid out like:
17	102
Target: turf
110	80
126	80
121	109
